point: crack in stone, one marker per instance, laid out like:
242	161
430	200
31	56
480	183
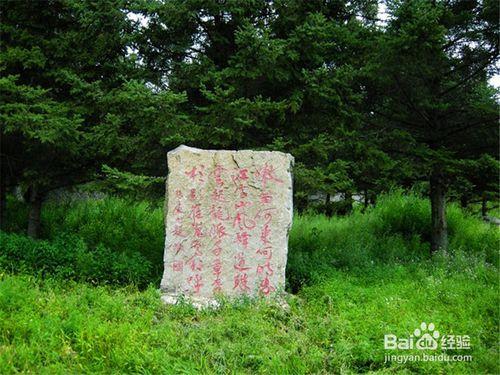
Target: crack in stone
235	162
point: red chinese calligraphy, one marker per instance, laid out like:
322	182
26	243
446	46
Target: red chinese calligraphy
196	212
197	229
241	282
265	252
218	195
217	284
178	209
218	170
242	189
178	231
216	271
266	267
242	238
265	233
265	286
192	194
195	263
216	213
267	173
196	244
242	204
217	249
195	281
266	197
218	231
243	222
196	173
240	265
177	266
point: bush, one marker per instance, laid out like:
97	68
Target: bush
122	226
396	230
69	257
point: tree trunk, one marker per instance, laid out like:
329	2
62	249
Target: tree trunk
439	231
484	205
464	201
35	201
366	200
3	202
348	203
328	206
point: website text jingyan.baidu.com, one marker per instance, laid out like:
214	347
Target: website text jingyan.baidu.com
427	338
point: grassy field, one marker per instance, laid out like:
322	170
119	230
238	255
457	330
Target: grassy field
65	306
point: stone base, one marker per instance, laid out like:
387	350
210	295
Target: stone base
201	303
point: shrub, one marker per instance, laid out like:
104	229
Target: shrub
69	257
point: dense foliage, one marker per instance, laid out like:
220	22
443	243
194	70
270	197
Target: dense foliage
98	89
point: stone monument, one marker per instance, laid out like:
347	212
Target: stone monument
228	214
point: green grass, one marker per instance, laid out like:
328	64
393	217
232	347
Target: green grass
334	326
354	279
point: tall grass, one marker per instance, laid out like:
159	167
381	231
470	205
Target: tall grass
395	231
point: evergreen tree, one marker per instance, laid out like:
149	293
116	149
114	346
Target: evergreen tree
58	59
429	92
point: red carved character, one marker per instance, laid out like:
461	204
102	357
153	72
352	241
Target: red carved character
218	195
242	189
177	266
196	244
242	204
265	267
243	222
243	174
196	172
266	197
218	170
217	214
195	263
192	194
195	212
267	173
218	231
240	265
265	252
197	229
266	287
178	209
217	284
242	238
241	282
217	249
196	282
264	234
217	267
177	231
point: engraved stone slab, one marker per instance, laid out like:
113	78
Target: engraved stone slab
228	214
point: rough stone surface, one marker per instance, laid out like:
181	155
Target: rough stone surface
228	214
